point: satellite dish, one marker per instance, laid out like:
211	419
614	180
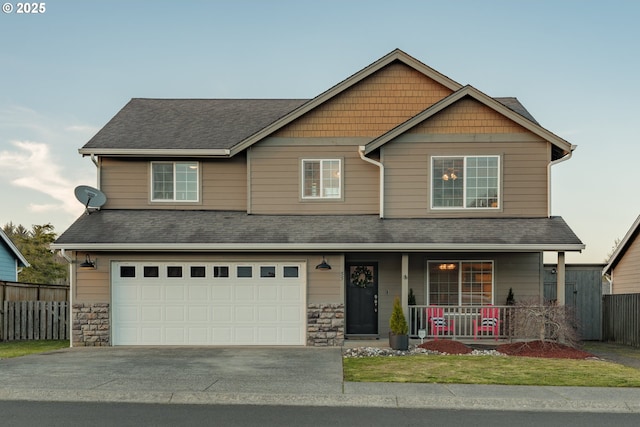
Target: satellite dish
90	197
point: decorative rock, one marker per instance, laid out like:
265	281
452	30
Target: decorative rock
387	352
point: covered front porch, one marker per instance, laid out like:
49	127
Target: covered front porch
462	322
472	310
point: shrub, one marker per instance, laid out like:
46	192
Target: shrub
545	322
398	323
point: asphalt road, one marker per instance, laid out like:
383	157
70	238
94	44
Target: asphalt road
28	413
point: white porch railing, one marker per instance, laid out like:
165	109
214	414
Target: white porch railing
461	322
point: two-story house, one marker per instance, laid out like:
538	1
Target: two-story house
297	222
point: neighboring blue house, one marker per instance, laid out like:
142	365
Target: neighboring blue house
10	259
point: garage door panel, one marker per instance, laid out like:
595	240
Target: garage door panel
290	314
222	314
222	293
244	293
150	293
127	313
267	335
245	335
291	335
151	335
126	293
268	293
198	293
217	306
221	335
128	335
268	314
174	335
174	314
198	313
291	293
244	314
151	313
199	336
175	292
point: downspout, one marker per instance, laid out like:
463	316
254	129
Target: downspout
551	163
381	166
64	255
97	163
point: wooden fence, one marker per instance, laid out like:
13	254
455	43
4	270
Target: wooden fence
34	320
31	311
621	319
16	291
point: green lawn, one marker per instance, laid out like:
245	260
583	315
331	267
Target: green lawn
490	370
23	348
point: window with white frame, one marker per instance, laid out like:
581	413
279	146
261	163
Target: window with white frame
174	181
460	282
321	179
465	182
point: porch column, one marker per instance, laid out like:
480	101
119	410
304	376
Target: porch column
404	292
560	278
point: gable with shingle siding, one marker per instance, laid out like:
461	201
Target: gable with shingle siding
468	116
371	107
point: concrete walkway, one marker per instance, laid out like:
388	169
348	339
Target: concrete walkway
266	376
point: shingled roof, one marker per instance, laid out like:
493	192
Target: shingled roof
201	124
166	124
237	231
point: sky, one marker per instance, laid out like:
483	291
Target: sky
65	72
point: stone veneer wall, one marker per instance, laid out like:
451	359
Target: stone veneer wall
325	324
90	325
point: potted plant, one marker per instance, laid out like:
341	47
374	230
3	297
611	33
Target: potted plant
398	333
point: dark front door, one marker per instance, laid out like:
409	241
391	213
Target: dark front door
362	298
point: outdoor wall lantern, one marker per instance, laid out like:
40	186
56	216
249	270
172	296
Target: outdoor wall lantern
323	266
88	264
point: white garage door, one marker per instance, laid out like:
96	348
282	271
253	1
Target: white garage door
160	303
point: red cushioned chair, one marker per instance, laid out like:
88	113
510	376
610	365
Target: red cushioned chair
489	322
435	317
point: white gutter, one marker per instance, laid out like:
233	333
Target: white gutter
555	162
361	149
135	152
315	247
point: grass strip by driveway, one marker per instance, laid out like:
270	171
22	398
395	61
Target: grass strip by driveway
490	370
23	348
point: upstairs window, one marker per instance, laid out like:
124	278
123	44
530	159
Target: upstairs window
321	179
469	182
174	181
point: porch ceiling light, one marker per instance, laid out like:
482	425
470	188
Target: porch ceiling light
88	264
450	174
323	266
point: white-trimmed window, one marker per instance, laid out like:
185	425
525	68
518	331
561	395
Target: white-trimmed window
465	182
321	179
460	282
174	181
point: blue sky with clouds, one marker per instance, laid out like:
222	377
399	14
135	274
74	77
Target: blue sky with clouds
65	72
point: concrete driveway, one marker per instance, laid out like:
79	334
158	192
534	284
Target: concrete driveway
161	370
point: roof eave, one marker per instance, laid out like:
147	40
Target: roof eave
120	152
315	247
